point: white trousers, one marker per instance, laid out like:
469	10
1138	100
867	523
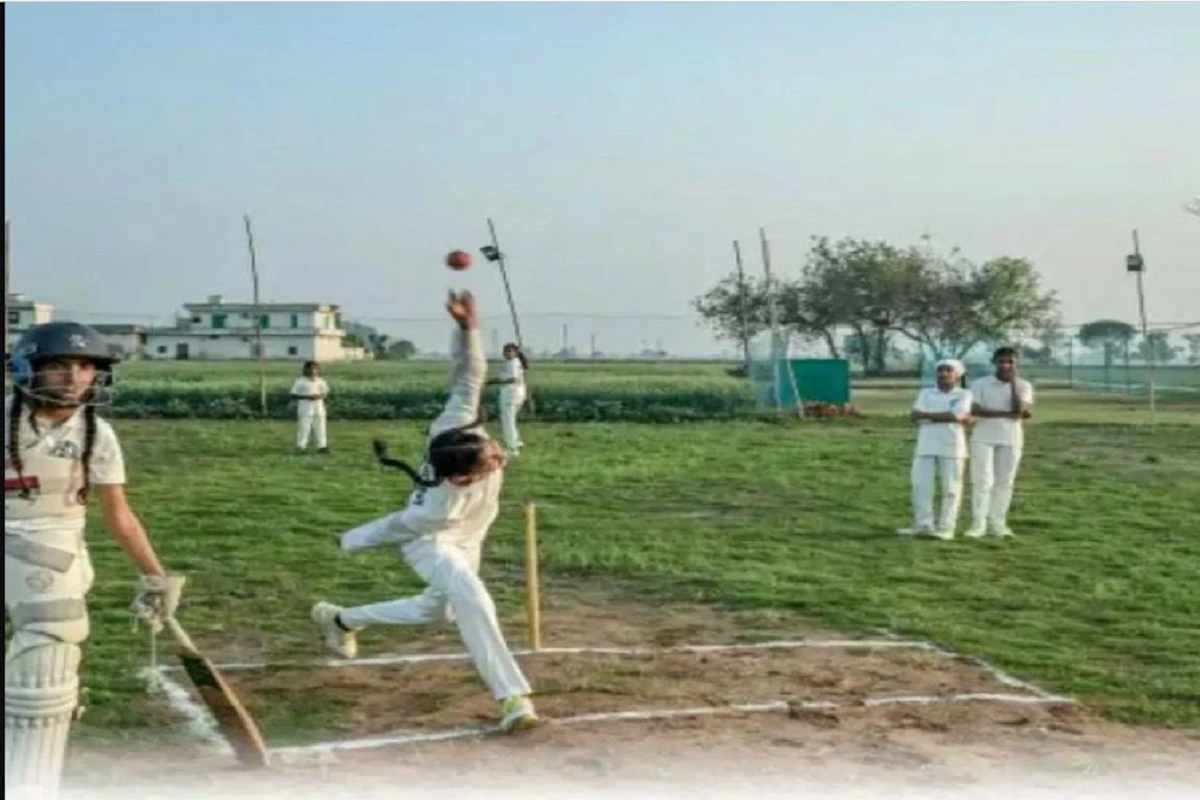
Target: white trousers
455	593
510	405
310	422
993	472
926	471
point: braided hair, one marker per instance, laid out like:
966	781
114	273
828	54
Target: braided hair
452	452
90	426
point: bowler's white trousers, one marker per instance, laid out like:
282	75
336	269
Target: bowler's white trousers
993	472
926	470
457	594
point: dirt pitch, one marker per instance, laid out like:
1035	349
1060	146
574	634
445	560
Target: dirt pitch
951	744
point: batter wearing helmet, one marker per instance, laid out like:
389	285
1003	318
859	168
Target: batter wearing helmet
58	454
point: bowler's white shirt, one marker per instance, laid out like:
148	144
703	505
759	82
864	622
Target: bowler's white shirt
942	439
994	394
306	386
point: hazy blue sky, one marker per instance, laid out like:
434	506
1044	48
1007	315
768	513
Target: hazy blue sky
620	148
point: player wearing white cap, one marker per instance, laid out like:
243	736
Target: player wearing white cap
941	413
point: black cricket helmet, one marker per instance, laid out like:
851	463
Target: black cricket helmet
55	340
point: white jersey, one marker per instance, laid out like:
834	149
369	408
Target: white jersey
942	439
457	514
994	394
52	466
308	386
516	373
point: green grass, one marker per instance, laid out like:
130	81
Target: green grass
1099	597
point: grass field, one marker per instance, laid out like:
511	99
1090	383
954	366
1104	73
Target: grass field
1097	598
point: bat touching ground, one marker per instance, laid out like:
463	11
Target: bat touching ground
234	722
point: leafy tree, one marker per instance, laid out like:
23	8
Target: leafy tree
956	305
401	350
1109	334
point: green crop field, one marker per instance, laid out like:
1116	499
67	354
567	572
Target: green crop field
1097	597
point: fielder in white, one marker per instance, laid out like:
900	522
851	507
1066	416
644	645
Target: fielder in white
941	414
310	391
58	453
440	533
512	395
1002	402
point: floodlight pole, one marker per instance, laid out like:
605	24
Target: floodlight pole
1141	270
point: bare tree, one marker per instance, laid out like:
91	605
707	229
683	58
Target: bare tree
1193	207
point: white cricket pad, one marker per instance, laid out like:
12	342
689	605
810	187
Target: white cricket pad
41	692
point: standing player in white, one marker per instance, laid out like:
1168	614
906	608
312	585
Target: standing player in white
1002	402
309	391
441	532
58	454
941	414
512	396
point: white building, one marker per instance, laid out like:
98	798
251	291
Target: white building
126	341
23	314
221	331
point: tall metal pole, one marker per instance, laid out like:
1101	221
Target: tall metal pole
512	307
262	367
745	331
1145	327
778	352
507	289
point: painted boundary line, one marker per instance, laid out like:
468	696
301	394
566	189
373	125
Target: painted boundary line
475	732
428	658
203	727
997	673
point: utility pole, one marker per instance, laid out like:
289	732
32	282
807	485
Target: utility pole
1135	263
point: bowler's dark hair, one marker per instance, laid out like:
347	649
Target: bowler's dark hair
309	365
451	453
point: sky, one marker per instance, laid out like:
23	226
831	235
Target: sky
619	147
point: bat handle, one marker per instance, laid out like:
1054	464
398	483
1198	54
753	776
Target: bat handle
179	633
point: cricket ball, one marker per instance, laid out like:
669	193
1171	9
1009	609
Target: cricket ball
458	259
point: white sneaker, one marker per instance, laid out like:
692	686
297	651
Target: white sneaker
975	532
916	530
1003	531
516	714
944	535
341	641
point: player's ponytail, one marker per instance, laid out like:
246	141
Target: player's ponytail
14	441
89	443
451	453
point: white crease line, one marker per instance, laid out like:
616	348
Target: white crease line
701	711
200	721
997	673
426	658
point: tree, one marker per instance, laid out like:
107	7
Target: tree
378	344
734	310
1156	347
863	285
1193	207
955	305
1193	347
401	350
1109	334
352	340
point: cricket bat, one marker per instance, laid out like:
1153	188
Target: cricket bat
233	721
